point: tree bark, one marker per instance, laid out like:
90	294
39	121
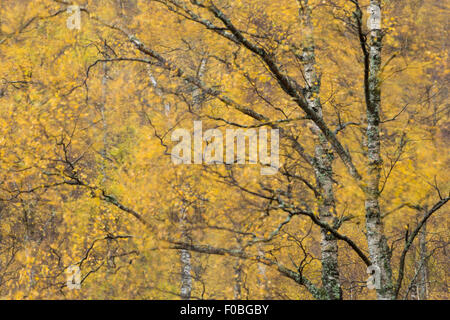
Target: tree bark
185	259
422	279
262	277
323	162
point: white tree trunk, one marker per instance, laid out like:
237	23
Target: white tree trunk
185	259
422	279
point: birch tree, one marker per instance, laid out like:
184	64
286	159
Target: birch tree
356	90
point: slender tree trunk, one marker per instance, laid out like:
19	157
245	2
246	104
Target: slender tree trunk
185	259
104	150
323	162
413	286
377	243
186	278
238	280
328	244
238	274
262	277
185	255
197	92
158	91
